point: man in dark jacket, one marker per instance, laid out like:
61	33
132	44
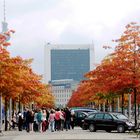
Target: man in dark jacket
67	119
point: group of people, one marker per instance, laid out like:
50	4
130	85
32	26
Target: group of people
40	120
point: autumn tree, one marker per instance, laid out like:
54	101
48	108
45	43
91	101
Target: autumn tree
128	50
18	81
119	72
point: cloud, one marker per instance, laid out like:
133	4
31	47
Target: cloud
66	21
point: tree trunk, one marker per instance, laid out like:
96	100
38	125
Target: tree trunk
19	106
107	106
122	103
10	109
0	112
103	106
13	107
129	106
135	105
110	108
113	104
5	109
118	104
138	110
99	107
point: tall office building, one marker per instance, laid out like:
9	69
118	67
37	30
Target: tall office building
65	66
69	63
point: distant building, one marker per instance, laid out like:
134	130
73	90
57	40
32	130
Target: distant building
69	63
65	65
62	91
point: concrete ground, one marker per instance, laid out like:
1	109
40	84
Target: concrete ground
76	134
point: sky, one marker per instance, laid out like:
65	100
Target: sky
38	22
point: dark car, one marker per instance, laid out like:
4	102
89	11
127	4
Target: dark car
120	116
81	114
83	109
108	122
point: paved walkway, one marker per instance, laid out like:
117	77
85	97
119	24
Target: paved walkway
76	134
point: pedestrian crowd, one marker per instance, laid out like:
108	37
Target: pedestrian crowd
41	120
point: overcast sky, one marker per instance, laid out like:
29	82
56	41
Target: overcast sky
66	21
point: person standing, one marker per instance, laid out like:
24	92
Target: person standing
20	121
52	120
39	120
44	120
72	119
35	126
67	118
57	119
62	117
27	120
25	117
31	121
14	120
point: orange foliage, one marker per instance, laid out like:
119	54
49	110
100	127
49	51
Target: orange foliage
17	80
118	72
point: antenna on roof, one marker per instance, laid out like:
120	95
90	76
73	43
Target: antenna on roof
4	23
4	11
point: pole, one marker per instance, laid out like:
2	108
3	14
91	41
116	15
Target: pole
104	107
122	103
10	109
0	112
135	105
118	104
5	109
129	106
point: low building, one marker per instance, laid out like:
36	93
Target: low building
62	90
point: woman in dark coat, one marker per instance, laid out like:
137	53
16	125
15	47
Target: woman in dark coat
20	121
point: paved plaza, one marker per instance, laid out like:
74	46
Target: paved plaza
75	134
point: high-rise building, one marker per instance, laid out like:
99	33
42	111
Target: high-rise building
69	63
65	66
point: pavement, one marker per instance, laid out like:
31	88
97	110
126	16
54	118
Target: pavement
76	134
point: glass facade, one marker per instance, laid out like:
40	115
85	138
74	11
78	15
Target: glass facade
69	63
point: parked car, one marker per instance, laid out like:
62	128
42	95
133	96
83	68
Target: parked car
81	114
107	121
83	109
120	116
